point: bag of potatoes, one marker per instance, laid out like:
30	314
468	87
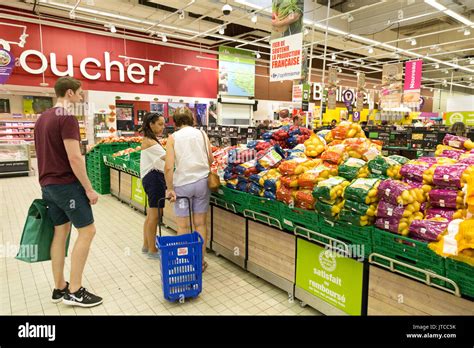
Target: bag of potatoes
362	190
330	189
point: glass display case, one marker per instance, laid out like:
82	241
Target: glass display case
14	159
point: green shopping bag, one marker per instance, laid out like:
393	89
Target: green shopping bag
37	234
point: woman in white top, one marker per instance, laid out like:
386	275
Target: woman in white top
152	166
186	172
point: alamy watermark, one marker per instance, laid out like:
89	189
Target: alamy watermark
29	251
354	251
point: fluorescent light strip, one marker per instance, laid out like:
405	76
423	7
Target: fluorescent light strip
436	5
449	12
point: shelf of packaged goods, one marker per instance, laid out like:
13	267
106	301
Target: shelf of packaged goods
16	127
16	133
16	139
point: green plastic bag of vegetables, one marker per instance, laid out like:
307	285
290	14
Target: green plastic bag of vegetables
361	208
385	166
400	159
330	189
353	168
329	210
362	191
354	218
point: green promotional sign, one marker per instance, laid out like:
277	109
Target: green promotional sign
335	279
236	72
138	193
467	117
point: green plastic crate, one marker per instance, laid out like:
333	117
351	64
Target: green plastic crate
293	217
264	206
357	237
405	247
238	199
462	274
409	251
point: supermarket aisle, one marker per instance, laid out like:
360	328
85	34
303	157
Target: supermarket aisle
117	271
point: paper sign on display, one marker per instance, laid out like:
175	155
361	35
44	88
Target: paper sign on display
297	93
391	88
7	63
412	86
286	58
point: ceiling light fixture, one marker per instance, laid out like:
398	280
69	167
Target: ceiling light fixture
446	71
222	30
333	56
257	54
471	62
436	66
339	70
371	50
306	31
467	32
164	38
254	18
413	42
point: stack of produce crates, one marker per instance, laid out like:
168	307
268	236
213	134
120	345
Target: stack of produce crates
462	274
97	171
409	251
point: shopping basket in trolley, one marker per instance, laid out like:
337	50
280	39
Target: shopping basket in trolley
181	262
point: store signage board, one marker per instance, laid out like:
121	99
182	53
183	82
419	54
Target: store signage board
340	281
297	93
306	93
391	87
236	72
412	86
286	58
467	117
7	63
138	193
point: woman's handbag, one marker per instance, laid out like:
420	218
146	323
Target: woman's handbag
213	180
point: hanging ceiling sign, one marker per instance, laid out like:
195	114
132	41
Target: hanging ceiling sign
412	86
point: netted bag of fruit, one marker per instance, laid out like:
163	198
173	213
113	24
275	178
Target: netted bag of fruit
457	242
247	168
362	190
311	177
353	168
440	148
388	210
286	195
385	166
446	213
314	146
446	198
419	185
353	218
414	170
232	183
305	166
271	158
458	142
329	211
428	229
304	199
452	176
289	167
356	147
330	189
399	159
397	225
398	192
453	154
347	130
289	181
361	209
271	180
467	158
334	154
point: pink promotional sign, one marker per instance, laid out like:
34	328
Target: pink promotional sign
413	75
411	93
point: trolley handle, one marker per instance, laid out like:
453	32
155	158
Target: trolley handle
177	198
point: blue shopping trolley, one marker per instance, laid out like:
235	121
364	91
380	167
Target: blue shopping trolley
181	262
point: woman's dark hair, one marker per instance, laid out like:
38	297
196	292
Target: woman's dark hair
458	128
150	117
183	116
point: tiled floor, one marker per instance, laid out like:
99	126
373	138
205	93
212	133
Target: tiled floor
116	270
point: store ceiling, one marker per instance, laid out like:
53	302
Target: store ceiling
389	27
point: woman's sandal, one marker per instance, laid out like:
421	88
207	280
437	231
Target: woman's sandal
204	266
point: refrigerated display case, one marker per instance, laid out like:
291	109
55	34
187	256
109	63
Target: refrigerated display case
15	159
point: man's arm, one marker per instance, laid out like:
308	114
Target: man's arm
78	166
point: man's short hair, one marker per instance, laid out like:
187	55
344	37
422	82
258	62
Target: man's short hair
183	116
63	84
